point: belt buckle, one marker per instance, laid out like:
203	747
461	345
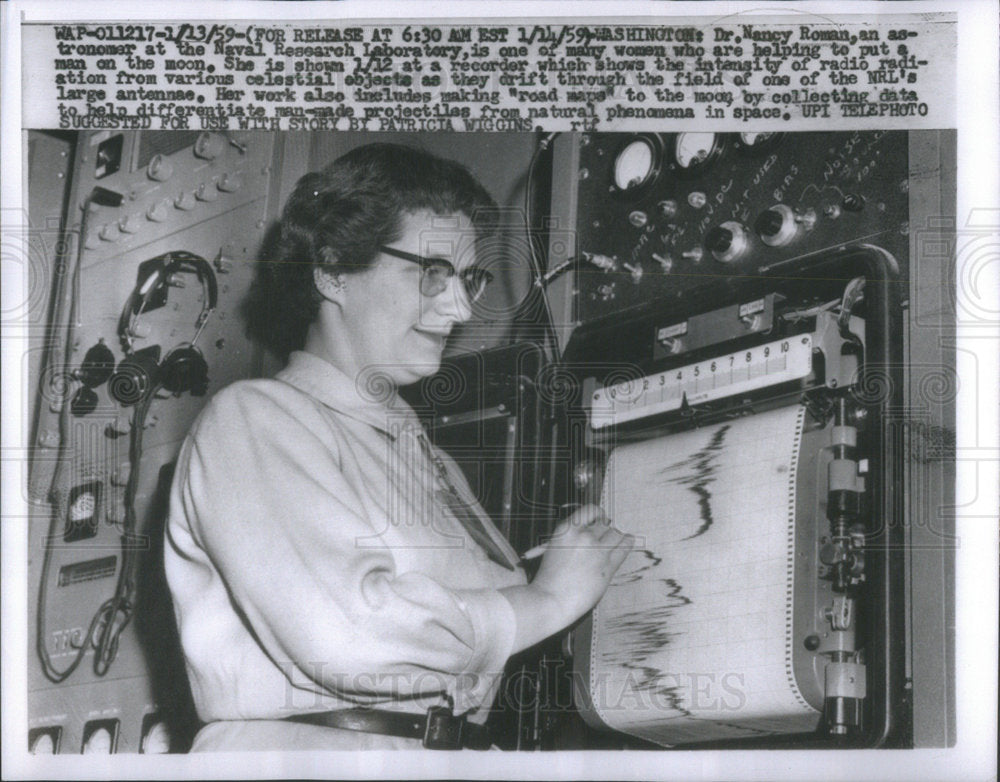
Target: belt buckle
443	730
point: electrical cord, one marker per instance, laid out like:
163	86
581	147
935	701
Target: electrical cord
58	495
113	616
550	343
115	613
853	293
123	601
542	279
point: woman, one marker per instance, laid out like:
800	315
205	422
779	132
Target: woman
335	583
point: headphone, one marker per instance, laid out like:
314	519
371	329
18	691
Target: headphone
184	367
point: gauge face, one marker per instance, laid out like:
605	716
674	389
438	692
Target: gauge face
692	150
634	165
43	745
157	740
82	507
750	139
758	142
99	743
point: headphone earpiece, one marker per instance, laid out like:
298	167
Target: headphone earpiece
135	376
184	369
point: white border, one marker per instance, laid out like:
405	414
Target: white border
974	757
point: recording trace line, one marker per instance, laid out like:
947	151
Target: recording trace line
705	468
642	634
650	561
694	602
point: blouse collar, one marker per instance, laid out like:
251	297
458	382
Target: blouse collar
371	399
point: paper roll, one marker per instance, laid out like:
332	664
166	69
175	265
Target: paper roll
693	639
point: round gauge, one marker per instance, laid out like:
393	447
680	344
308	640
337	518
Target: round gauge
755	142
754	138
694	151
634	165
156	740
99	743
82	507
43	745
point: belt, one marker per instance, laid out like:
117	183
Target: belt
437	729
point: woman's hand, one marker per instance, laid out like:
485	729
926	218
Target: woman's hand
580	560
584	553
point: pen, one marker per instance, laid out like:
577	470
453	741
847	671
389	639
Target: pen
534	553
541	548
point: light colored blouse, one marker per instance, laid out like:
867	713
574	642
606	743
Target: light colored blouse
312	568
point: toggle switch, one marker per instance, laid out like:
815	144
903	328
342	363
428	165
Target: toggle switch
634	270
806	219
695	254
665	261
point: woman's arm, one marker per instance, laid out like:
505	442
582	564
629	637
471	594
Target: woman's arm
263	506
583	555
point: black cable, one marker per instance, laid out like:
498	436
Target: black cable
115	613
58	497
123	600
853	293
550	343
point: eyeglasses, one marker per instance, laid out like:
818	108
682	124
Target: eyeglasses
435	273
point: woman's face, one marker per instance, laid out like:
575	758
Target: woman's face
390	328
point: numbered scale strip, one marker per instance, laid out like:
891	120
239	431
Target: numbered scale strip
735	373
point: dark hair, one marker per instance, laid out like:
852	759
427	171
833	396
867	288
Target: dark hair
352	207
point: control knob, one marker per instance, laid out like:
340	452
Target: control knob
207	191
853	202
776	226
157	212
159	169
209	146
727	242
668	208
129	224
780	224
230	183
110	232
